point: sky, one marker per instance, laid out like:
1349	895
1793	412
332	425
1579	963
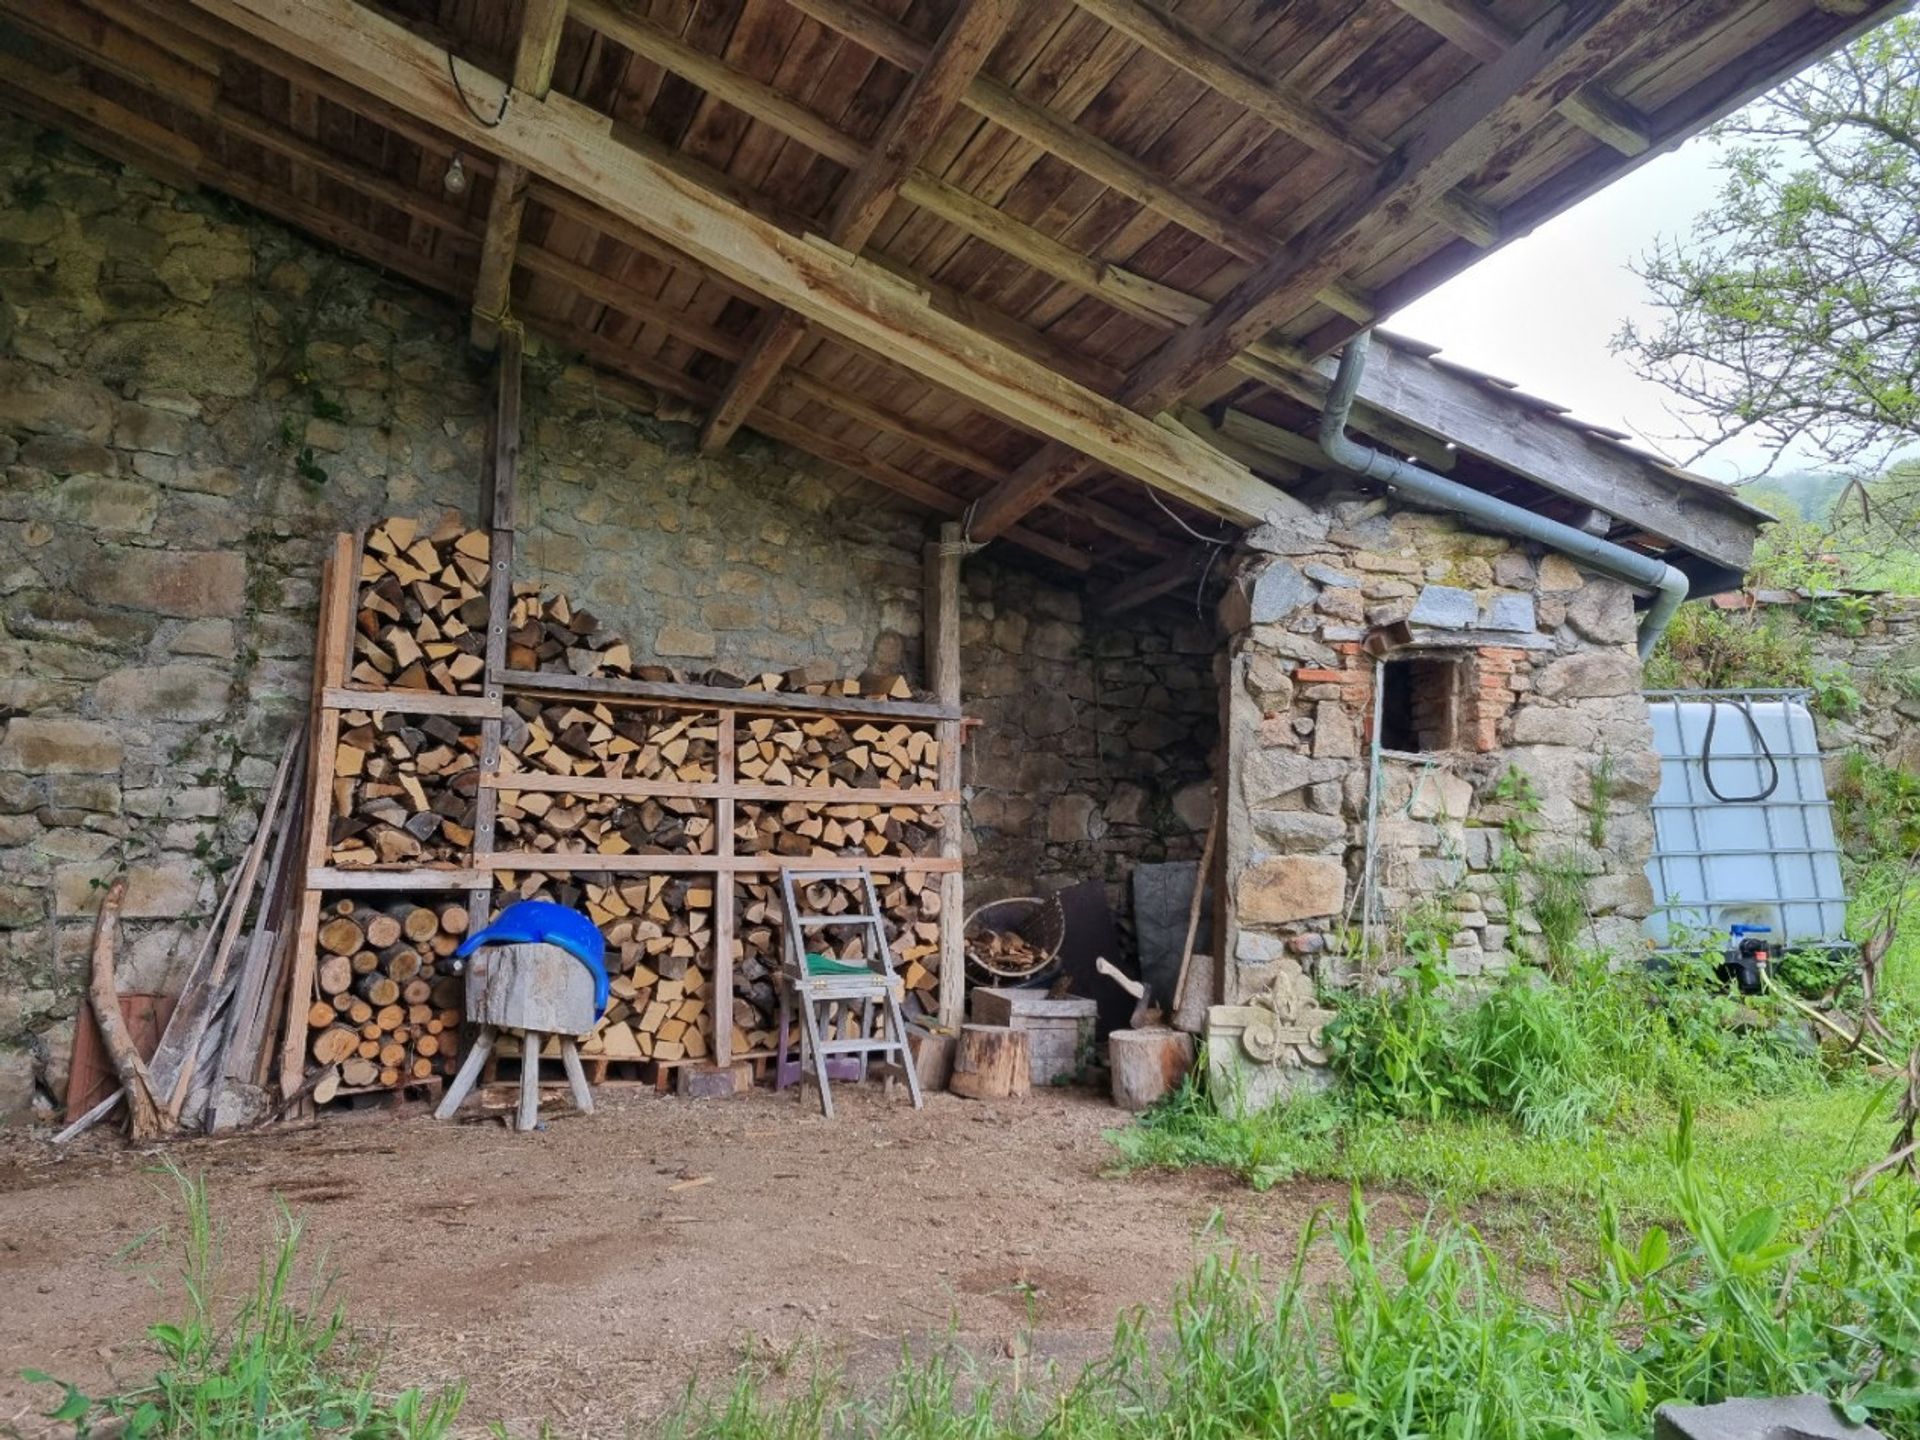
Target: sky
1541	311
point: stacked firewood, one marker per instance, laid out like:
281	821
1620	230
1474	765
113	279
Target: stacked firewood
404	788
606	742
598	741
909	903
659	954
387	1001
421	623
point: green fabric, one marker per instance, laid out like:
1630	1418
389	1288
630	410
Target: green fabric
822	965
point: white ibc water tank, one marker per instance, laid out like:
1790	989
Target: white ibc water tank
1760	851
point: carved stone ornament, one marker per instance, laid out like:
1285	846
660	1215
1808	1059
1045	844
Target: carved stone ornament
1284	1018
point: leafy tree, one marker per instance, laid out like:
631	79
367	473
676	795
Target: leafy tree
1793	311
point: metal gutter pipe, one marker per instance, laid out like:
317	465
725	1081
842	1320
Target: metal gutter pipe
1669	585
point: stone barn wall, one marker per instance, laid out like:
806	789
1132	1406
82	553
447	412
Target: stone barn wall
193	399
1543	682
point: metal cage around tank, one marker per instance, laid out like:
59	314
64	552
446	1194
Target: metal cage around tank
1743	826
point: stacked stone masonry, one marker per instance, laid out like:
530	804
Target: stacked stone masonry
193	400
1536	660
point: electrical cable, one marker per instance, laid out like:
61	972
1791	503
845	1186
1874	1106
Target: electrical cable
1745	706
461	91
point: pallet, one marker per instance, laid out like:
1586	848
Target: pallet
600	1071
397	1099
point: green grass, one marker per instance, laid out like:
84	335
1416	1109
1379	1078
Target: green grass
1757	1149
278	1362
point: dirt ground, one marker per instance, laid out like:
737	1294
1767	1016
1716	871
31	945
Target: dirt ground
583	1274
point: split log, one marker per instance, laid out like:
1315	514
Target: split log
991	1062
404	791
421	621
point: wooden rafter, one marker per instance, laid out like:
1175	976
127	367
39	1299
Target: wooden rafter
1566	48
1112	166
1562	50
1483	35
540	26
573	146
916	122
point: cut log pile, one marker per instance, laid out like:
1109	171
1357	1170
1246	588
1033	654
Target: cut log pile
387	1001
421	621
1004	952
659	936
404	788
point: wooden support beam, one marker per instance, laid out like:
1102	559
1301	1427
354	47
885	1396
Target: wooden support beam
1149	585
916	122
541	22
1465	24
1609	119
1565	48
1185	45
942	627
1483	35
576	147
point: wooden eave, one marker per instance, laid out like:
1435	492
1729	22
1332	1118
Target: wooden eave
1074	219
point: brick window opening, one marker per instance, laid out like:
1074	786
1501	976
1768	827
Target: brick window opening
1420	704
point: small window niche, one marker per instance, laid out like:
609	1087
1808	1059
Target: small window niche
1421	698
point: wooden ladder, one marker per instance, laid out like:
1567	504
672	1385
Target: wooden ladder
826	995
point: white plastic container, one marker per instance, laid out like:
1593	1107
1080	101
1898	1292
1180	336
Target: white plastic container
1749	858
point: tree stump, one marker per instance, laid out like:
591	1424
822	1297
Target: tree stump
1146	1064
992	1062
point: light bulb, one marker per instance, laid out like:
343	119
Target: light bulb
455	180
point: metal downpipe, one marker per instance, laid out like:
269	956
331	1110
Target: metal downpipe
1668	584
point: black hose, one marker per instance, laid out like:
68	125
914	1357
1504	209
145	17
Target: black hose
1745	707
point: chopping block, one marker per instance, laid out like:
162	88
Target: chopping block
542	991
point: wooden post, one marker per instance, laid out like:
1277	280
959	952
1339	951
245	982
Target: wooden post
722	1006
339	580
941	624
499	516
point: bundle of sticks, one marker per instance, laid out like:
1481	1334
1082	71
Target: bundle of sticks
388	997
421	622
404	788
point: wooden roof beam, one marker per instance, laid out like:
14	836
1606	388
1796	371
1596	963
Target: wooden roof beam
636	305
865	195
1188	48
576	147
1146	586
541	23
1131	293
1469	26
1566	48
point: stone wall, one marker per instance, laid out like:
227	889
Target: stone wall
1547	686
1873	641
1097	741
193	399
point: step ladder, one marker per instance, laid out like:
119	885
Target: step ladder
829	990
